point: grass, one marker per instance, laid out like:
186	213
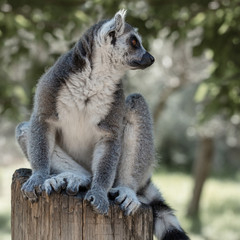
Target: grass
220	207
219	213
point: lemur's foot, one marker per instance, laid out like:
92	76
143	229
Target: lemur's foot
126	198
34	186
70	181
98	199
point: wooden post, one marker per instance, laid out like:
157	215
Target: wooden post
70	218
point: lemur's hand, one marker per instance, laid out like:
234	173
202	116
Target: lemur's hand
34	186
98	199
126	198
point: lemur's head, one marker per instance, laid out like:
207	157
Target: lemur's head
120	42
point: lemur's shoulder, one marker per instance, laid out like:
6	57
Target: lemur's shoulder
55	78
72	63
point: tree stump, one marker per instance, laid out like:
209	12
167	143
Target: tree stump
60	216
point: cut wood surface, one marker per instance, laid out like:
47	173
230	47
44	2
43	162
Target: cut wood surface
60	216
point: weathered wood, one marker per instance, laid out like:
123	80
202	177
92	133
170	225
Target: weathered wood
70	218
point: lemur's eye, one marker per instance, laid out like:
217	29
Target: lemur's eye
134	42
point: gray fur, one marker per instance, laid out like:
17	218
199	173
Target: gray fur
84	134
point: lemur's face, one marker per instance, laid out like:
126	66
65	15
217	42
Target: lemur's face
122	44
130	50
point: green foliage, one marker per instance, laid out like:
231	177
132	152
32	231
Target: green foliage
34	33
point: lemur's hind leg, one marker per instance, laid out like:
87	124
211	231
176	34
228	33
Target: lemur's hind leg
21	134
166	225
65	172
137	159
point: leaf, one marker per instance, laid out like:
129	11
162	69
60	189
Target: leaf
201	92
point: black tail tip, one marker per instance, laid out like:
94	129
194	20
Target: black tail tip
175	234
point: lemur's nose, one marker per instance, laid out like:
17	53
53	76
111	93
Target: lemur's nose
152	59
147	59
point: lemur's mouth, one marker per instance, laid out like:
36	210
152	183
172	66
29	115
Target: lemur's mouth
136	65
146	61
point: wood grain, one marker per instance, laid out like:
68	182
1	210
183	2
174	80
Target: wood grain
64	217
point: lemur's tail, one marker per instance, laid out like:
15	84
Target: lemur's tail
166	225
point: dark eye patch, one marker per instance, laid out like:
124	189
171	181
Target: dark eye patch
114	39
134	42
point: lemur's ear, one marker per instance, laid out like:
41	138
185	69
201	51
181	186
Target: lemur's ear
119	20
116	25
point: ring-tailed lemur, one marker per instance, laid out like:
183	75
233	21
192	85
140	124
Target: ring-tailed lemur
83	133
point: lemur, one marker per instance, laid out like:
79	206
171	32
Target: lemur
84	134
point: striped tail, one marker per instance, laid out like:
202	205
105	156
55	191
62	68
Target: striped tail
166	225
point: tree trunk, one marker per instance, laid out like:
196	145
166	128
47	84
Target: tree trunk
68	217
202	167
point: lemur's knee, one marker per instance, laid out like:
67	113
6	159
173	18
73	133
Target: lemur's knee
21	134
137	106
21	130
136	102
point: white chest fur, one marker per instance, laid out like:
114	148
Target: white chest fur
81	105
78	134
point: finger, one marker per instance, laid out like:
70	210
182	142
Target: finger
120	198
132	208
31	194
114	192
23	193
38	190
125	204
72	188
56	185
48	187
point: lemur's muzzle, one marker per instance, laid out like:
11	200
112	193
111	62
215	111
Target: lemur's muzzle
146	61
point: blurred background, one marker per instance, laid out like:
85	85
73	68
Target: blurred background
193	90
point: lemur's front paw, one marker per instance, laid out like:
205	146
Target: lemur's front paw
98	199
34	186
67	180
126	198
